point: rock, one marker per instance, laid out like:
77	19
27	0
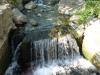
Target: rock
20	6
90	21
33	22
91	43
39	15
74	24
69	6
6	24
18	17
30	5
50	2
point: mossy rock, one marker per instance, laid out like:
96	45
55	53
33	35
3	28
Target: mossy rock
91	44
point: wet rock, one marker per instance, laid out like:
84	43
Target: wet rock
91	43
20	6
17	38
39	15
33	22
29	27
18	17
30	5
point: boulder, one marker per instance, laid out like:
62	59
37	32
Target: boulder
6	25
18	17
69	6
91	43
30	5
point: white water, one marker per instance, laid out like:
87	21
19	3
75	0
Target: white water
40	3
14	64
60	57
55	57
56	69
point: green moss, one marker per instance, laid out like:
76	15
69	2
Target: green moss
15	2
63	32
54	32
61	29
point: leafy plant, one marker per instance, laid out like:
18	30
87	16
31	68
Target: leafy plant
90	8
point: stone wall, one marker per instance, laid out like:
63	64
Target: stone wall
6	24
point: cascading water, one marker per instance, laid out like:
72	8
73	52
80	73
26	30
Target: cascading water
14	64
59	57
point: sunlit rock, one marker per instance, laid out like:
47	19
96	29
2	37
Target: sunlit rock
69	6
30	5
91	43
18	17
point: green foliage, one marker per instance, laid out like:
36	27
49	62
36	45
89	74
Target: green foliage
14	2
90	8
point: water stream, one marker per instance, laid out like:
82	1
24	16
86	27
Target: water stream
53	56
39	2
14	64
59	57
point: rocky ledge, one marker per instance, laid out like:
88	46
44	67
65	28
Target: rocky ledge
6	24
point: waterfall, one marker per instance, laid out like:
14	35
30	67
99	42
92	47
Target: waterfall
14	64
48	50
45	50
78	66
59	56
